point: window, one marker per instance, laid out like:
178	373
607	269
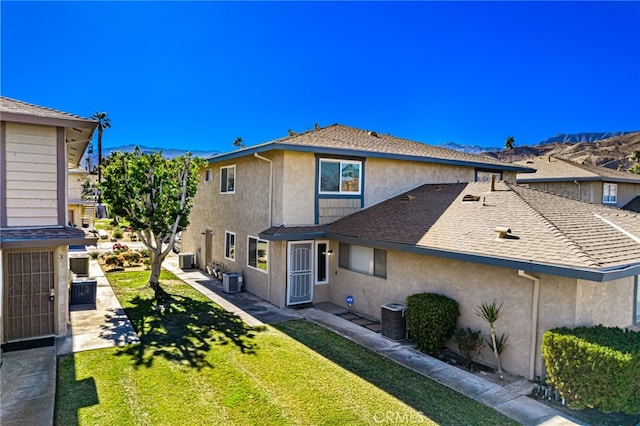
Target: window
228	180
609	193
230	245
366	260
485	175
322	262
257	254
340	176
207	175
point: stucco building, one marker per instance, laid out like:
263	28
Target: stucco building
339	211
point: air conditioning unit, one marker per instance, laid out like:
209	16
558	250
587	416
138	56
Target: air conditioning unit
232	282
185	260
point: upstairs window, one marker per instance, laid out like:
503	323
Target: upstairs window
609	193
340	176
228	180
207	175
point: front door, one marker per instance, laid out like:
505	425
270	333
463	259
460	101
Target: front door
300	276
28	282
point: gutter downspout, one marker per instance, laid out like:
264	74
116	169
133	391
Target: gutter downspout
579	189
534	321
260	157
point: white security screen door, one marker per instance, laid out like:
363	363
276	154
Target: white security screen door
300	276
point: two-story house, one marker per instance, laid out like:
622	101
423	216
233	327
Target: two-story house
37	147
337	211
586	182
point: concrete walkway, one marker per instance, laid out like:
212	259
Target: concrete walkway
28	378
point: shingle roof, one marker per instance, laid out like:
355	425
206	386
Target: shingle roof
341	139
546	229
8	105
45	236
559	169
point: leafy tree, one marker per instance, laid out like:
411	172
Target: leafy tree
635	169
103	123
238	143
155	195
509	144
635	155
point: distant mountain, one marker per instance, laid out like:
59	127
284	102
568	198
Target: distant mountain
581	137
611	152
166	152
469	149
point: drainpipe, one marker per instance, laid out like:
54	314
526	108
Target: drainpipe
579	192
534	321
255	154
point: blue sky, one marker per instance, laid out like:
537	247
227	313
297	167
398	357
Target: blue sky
196	75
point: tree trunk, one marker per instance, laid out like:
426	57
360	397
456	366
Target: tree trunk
154	278
495	349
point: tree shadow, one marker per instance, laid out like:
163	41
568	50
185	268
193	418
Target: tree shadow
183	330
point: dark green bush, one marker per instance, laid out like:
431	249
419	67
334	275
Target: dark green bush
596	367
431	320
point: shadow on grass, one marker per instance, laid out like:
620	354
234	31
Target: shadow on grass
431	399
84	394
184	331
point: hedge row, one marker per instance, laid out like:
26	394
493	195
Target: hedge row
431	320
597	367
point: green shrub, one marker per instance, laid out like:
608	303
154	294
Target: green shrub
132	257
114	261
596	367
469	343
431	320
118	233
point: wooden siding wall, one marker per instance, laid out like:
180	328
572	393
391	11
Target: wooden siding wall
31	175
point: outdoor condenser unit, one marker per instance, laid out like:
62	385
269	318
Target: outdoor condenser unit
185	260
231	283
394	321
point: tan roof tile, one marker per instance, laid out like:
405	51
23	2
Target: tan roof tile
8	105
560	169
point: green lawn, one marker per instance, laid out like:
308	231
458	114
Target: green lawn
198	364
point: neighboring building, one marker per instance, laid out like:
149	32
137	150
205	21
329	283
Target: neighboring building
584	182
37	147
81	208
338	211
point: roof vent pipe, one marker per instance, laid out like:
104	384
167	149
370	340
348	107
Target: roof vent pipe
493	183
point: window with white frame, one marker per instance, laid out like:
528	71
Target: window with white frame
340	176
322	262
367	260
258	254
228	179
609	193
230	245
207	175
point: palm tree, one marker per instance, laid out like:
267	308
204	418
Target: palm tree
103	123
490	312
508	144
238	143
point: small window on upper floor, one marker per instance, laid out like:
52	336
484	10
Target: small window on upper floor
228	179
609	193
207	175
340	176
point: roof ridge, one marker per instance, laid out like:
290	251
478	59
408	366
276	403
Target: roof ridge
46	108
571	244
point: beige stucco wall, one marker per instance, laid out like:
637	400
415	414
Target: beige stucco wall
562	302
589	191
31	159
609	303
246	212
626	193
297	188
61	310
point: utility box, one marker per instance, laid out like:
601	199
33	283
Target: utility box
394	321
185	260
83	291
232	282
79	264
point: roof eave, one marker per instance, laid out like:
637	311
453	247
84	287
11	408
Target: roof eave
363	153
588	274
578	179
15	117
